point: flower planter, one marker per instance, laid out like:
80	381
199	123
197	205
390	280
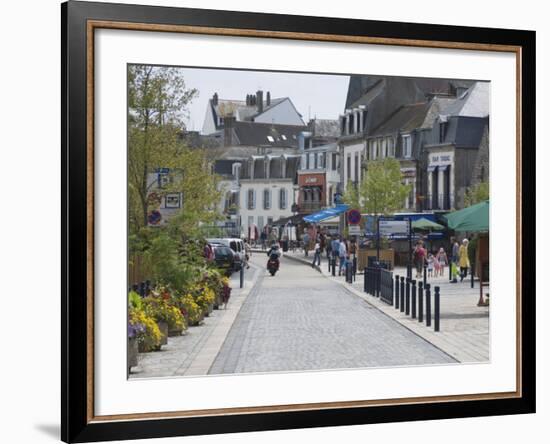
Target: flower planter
132	353
163	327
172	333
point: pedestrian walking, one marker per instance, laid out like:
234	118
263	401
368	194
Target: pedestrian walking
316	255
342	253
305	239
263	239
419	258
441	259
454	250
328	246
248	252
431	262
463	259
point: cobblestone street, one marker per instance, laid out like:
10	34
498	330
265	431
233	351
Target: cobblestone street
300	320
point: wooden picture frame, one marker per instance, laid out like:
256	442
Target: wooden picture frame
79	22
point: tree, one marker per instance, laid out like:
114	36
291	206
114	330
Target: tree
157	101
381	191
351	196
476	193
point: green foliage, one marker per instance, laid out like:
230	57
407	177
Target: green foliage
351	196
158	99
134	300
382	191
477	193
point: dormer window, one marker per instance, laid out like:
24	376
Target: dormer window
407	146
270	139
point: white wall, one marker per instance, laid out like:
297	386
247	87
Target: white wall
351	150
274	185
30	242
208	126
283	113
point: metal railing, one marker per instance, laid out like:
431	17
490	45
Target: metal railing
379	283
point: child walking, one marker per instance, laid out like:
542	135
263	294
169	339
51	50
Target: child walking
430	265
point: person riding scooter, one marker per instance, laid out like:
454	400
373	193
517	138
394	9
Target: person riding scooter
274	253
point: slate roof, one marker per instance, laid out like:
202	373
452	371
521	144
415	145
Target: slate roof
364	88
405	119
266	134
465	131
475	102
326	128
240	109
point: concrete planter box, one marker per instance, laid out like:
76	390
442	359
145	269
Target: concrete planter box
132	353
163	327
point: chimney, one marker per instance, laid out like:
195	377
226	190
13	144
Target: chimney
268	99
260	101
215	99
228	121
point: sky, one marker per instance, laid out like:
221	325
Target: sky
314	95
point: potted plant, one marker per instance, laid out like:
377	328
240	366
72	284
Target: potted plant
134	332
150	336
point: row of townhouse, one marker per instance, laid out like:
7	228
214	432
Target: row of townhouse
437	129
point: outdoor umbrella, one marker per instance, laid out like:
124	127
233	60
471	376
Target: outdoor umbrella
473	218
426	225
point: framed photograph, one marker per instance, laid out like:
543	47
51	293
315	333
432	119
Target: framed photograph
275	221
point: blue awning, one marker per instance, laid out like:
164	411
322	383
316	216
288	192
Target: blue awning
326	213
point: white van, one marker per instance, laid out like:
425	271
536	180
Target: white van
237	245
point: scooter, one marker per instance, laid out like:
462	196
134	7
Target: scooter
272	266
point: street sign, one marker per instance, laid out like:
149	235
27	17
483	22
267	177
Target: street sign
354	230
354	217
389	227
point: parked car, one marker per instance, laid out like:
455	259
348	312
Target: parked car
224	258
237	245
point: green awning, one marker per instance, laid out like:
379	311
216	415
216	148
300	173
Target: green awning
426	225
473	218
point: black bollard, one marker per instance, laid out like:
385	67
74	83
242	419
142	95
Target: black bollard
365	280
436	308
413	299
425	274
354	269
396	291
402	301
420	302
407	296
450	269
333	266
241	277
471	277
328	262
428	306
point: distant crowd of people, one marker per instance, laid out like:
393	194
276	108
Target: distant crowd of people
459	260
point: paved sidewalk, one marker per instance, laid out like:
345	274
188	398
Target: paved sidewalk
194	352
464	327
